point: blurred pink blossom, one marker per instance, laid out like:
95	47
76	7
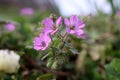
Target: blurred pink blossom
9	27
118	13
27	11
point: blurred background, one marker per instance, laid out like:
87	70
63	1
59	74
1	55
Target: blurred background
99	53
64	7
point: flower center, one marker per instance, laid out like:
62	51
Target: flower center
43	44
72	27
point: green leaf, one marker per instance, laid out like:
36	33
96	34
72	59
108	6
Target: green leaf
54	65
47	76
113	70
57	41
50	62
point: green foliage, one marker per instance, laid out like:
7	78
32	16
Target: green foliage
113	70
47	76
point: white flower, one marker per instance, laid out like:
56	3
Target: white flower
9	61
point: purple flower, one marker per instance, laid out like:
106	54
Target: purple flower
41	42
9	27
118	13
74	25
50	26
27	11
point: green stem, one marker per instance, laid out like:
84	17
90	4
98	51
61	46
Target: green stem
112	6
64	39
51	39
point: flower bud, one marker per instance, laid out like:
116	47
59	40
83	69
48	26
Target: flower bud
59	21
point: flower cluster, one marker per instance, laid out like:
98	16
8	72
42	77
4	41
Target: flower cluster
9	61
50	28
73	26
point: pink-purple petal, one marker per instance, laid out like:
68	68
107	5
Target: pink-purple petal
48	22
59	21
80	24
79	32
38	42
73	20
66	21
49	31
